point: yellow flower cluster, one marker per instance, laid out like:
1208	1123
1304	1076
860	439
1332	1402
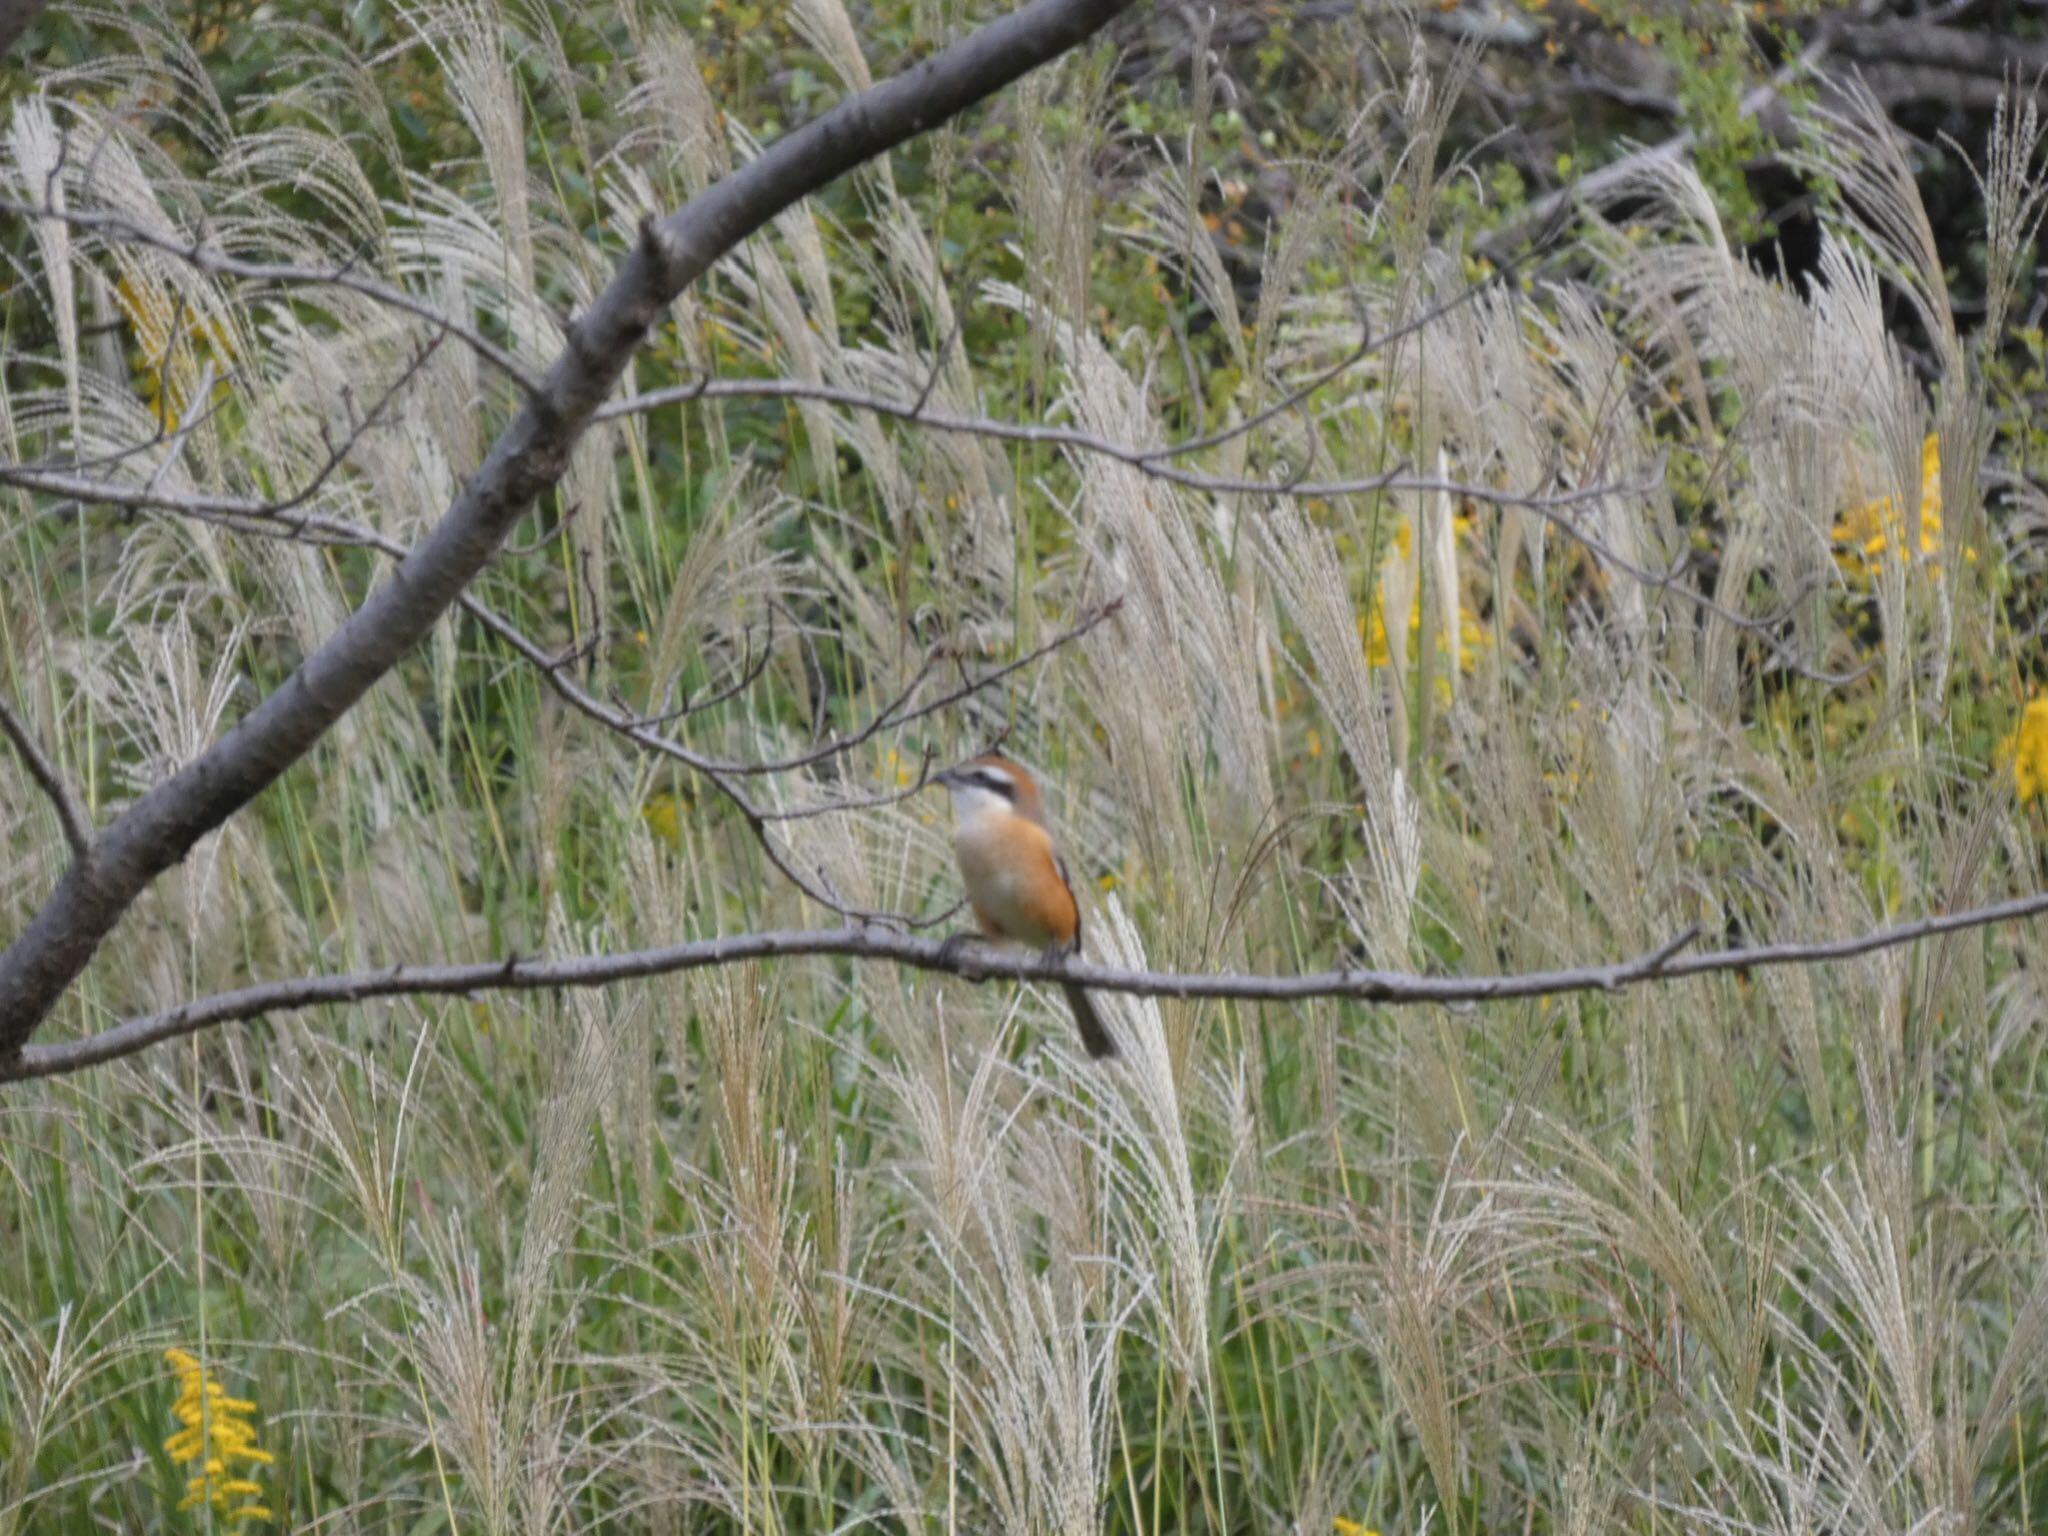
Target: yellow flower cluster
1865	533
216	1434
1473	636
2028	749
172	341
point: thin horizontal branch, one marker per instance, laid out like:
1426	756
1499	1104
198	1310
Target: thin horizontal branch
1150	461
1368	345
974	963
528	459
64	480
914	411
1991	53
58	481
215	262
240	510
99	491
1552	507
48	780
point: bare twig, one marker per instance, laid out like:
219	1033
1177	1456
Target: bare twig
896	714
1150	461
194	419
44	772
542	541
867	802
184	431
94	490
751	666
1368	345
977	963
1147	459
215	262
1655	962
931	378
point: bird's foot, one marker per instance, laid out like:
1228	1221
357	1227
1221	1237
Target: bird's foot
1054	956
951	949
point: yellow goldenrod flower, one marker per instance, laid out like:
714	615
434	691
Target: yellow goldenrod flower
1867	532
174	344
1345	1527
2028	749
1472	635
217	1435
1372	634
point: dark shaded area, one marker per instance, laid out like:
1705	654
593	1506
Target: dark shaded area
16	17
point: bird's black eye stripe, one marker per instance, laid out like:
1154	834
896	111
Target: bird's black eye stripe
995	783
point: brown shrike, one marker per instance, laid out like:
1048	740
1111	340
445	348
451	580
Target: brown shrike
1015	881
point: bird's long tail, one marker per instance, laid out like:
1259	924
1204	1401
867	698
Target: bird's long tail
1089	1022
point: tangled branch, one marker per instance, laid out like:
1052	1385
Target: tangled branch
528	459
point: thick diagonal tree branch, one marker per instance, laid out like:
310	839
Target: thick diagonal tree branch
159	829
1665	963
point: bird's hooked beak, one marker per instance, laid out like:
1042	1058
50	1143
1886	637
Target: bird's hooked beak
945	778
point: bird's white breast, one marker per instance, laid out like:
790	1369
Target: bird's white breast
1006	863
